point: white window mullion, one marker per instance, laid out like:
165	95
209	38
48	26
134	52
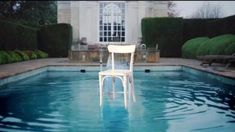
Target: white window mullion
112	13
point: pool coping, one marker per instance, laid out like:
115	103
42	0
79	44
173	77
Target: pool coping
37	65
186	68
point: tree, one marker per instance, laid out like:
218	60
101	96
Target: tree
208	11
35	12
171	9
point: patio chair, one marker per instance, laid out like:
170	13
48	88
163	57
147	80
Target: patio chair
125	75
225	59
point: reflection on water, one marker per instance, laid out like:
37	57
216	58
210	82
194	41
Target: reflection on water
115	117
69	101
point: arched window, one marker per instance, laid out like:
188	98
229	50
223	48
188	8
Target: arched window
112	22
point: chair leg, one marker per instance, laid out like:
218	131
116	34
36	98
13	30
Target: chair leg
129	89
101	89
125	91
133	89
113	94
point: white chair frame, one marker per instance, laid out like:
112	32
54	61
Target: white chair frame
126	76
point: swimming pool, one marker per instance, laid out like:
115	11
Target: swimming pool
169	99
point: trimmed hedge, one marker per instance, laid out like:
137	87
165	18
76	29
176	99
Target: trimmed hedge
189	49
216	45
221	26
56	39
155	30
214	28
164	31
16	36
220	43
195	28
230	49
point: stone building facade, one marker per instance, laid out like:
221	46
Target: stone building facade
108	21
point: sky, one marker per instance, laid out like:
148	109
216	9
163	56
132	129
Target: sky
186	8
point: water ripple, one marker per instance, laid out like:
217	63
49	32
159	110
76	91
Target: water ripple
69	101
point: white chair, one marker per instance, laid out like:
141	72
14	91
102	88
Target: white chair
126	75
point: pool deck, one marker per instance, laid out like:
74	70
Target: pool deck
7	70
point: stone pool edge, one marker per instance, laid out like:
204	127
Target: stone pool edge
187	68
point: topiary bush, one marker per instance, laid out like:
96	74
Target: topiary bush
230	49
41	54
216	45
219	43
3	57
22	54
203	49
14	56
31	54
189	49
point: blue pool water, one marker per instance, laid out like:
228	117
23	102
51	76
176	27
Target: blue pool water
172	101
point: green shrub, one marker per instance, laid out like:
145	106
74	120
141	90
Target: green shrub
14	56
17	36
31	54
56	39
189	49
203	49
9	58
164	31
41	54
230	49
218	44
22	54
3	57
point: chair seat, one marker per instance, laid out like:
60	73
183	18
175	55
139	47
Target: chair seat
115	72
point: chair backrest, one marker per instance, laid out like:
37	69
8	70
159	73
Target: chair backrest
122	49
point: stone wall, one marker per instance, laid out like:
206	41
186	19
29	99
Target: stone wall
93	56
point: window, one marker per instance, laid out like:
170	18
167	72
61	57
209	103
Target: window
112	22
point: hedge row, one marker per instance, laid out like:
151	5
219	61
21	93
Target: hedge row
172	33
221	26
193	28
54	39
16	36
18	55
218	45
164	31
